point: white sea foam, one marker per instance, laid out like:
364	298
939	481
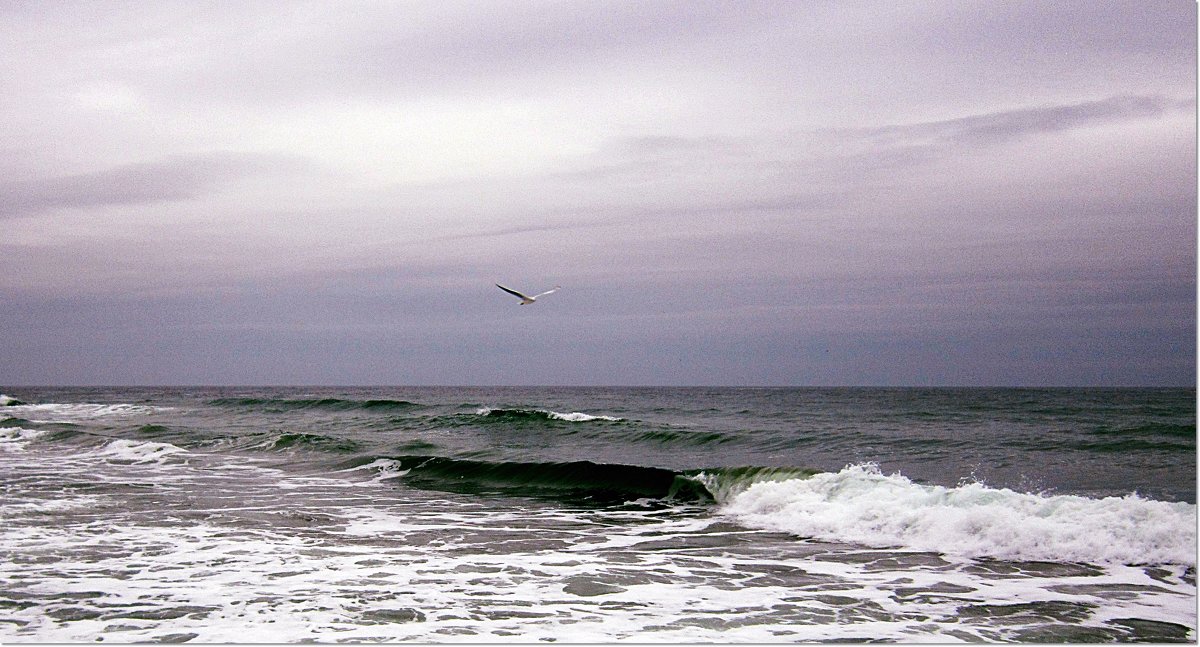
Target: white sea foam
384	468
580	417
67	412
13	439
47	507
861	505
139	452
222	557
574	416
6	400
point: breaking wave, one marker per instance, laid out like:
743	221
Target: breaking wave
65	412
575	480
541	415
16	438
861	505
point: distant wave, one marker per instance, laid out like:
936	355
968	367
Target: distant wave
276	441
1186	431
295	404
9	401
611	428
1150	436
541	415
283	441
668	436
861	505
65	412
1118	445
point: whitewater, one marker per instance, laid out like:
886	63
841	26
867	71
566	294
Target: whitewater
860	504
594	515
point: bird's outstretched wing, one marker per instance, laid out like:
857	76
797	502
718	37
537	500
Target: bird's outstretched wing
556	288
512	292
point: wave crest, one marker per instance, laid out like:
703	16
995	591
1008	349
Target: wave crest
541	415
14	439
861	505
66	412
576	480
134	452
317	442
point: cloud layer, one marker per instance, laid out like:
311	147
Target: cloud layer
772	193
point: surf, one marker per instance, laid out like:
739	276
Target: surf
577	481
861	505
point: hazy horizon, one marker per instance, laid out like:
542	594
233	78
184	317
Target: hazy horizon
631	387
760	194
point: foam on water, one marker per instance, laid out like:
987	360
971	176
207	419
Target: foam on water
133	542
15	439
67	412
384	468
574	416
8	400
133	451
389	567
25	507
859	504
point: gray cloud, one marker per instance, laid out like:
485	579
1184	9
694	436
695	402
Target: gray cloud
303	52
1008	125
768	192
885	146
183	177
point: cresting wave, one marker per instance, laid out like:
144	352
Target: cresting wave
573	480
65	412
610	428
116	450
131	451
14	439
9	401
861	505
518	415
857	505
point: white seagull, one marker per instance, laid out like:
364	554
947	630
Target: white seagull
525	298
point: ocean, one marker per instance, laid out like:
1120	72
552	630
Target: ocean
450	514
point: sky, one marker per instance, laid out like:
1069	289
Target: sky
924	193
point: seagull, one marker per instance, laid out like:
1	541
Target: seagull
525	298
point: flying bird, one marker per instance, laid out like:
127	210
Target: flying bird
525	298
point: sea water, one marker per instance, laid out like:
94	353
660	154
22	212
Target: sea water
597	514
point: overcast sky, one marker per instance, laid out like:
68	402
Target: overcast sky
775	193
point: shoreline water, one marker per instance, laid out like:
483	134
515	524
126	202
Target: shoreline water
443	515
